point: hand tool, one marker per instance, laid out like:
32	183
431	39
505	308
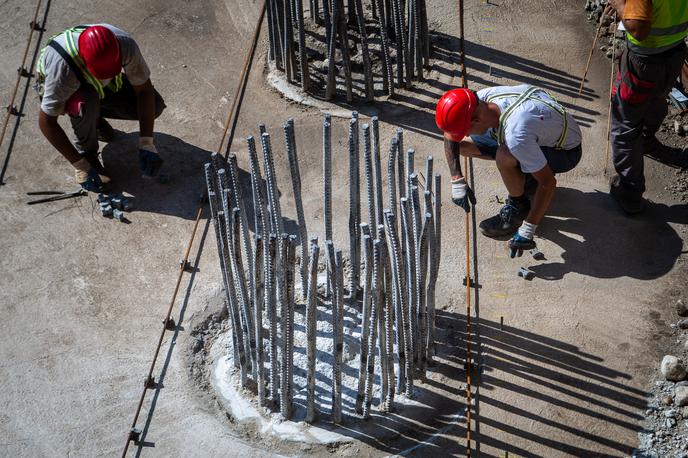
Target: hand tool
56	195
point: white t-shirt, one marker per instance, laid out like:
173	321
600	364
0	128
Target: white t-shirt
532	125
61	82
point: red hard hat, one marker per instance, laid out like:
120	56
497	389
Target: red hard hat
99	49
454	112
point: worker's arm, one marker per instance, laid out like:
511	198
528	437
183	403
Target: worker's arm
149	159
145	102
57	137
462	195
85	175
636	16
523	239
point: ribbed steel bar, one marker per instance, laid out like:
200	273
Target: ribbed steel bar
290	140
391	177
377	164
283	307
367	245
388	321
259	298
334	315
354	207
372	337
380	299
311	328
277	225
271	304
369	176
410	252
303	55
344	49
339	331
331	87
367	69
327	189
387	81
422	266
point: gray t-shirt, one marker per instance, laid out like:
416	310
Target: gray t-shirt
532	125
61	82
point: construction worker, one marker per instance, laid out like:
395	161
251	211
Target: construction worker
648	68
527	132
91	73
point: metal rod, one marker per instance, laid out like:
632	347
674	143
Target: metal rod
368	170
367	69
387	83
587	64
259	298
311	328
377	163
354	207
336	365
372	337
271	304
365	317
339	331
327	190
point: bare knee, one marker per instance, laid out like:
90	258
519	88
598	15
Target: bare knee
504	158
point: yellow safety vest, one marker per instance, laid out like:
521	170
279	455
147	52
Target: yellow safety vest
114	85
669	27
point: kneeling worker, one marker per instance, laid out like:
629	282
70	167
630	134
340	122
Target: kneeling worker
523	129
80	74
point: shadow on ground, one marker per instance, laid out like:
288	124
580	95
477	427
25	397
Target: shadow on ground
599	241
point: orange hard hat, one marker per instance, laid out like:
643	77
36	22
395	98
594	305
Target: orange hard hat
454	112
99	49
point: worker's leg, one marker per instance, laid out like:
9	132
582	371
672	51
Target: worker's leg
510	170
517	205
83	109
122	104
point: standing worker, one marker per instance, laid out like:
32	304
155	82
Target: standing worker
92	73
527	132
654	55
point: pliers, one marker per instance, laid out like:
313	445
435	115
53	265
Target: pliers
56	195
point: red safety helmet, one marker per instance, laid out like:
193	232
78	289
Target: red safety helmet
99	49
454	112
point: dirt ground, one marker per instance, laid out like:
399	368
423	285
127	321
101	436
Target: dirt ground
82	297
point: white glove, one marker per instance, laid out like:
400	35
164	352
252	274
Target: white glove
458	188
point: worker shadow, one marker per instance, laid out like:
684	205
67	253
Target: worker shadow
414	109
524	382
598	240
180	184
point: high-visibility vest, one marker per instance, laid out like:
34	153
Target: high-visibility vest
114	85
529	94
669	27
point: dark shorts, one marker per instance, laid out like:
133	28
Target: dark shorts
559	160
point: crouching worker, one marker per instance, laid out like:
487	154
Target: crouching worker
91	73
527	133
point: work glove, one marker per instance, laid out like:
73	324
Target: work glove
149	159
88	177
523	239
462	195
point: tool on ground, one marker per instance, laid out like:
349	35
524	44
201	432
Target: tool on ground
56	195
526	273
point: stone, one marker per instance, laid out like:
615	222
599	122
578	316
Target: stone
681	308
681	396
671	413
683	324
667	400
673	369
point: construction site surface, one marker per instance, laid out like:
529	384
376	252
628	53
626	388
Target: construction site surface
562	364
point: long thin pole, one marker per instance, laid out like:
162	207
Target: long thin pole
609	112
587	64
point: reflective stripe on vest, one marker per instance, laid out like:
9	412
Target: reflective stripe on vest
669	27
114	85
528	95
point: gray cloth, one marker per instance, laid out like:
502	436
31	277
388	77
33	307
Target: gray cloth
116	105
532	125
60	82
638	108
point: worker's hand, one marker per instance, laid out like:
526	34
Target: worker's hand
149	159
87	176
462	195
518	244
615	6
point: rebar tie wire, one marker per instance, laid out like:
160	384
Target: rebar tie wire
21	72
230	126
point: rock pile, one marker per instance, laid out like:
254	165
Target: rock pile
666	427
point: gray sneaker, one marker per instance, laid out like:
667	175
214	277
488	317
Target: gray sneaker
509	218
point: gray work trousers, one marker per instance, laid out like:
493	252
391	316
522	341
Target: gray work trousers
638	108
116	105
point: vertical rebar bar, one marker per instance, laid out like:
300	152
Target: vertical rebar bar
387	305
391	178
276	225
289	337
312	327
380	299
336	374
271	304
327	190
377	163
422	265
257	191
387	82
344	49
410	164
400	162
290	139
372	337
367	245
331	88
303	55
428	177
368	170
339	331
282	303
259	295
367	69
409	249
354	207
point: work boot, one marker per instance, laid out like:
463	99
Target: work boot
630	202
105	131
510	216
